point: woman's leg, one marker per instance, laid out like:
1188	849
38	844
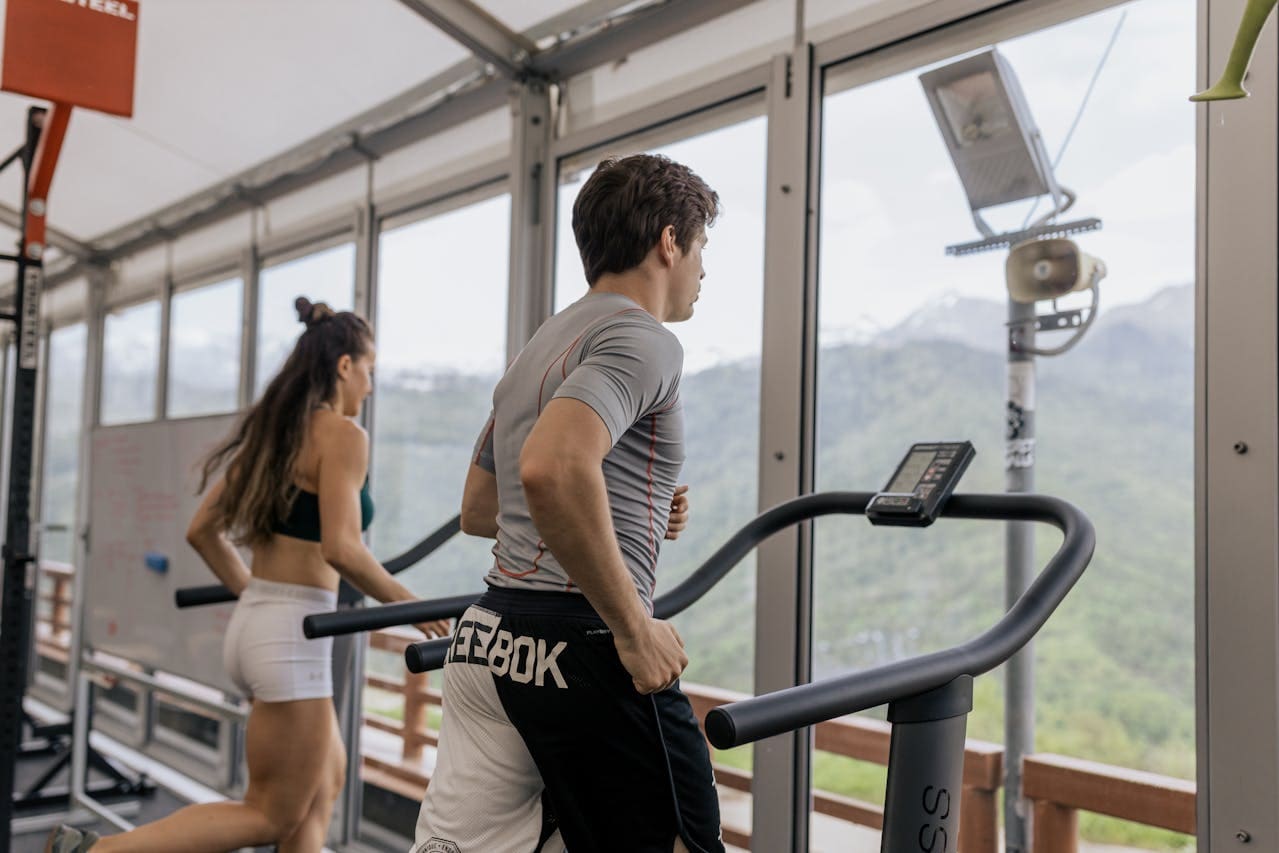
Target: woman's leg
309	837
288	746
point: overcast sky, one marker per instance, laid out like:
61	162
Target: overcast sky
891	203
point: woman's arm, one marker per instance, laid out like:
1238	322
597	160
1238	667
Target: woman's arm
209	541
344	453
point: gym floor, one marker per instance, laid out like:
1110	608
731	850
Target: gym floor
29	770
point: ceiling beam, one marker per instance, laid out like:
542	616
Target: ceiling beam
479	32
344	153
60	240
317	158
464	91
616	37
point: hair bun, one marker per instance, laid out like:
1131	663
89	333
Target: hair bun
312	312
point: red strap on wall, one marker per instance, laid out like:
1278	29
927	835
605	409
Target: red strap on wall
77	52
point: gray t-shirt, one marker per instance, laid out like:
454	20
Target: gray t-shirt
612	355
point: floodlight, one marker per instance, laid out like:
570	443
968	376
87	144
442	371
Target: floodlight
992	139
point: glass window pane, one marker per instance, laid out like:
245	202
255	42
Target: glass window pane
62	442
130	363
720	389
326	276
204	349
441	344
913	347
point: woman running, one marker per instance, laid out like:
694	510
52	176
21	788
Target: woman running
295	491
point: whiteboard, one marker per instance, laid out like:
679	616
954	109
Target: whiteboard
142	496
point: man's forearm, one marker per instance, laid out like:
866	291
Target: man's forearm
571	513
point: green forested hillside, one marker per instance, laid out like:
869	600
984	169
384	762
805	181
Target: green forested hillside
1115	436
1115	426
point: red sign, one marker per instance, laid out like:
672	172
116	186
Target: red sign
78	52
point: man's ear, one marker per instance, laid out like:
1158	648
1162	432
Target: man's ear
668	247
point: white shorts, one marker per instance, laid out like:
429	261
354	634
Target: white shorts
264	651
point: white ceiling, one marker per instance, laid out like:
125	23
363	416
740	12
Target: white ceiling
222	86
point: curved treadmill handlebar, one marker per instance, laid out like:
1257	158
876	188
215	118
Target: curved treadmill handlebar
198	596
795	707
430	654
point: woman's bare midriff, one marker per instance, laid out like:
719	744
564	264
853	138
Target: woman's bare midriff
288	560
285	559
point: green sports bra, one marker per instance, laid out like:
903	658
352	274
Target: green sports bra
303	520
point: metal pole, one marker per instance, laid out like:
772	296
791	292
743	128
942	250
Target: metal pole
17	551
19	561
1019	476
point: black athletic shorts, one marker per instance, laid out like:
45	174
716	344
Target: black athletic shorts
623	772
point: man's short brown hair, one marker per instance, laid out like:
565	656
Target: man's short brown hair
627	202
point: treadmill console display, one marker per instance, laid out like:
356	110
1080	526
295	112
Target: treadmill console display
921	484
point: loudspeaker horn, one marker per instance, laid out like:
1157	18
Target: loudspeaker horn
1048	269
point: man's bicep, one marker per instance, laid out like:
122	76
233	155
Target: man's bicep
480	489
480	502
567	430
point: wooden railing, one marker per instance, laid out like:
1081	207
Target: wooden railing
404	774
1058	787
53	632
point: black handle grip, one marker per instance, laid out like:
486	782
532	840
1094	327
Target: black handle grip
389	615
198	596
428	655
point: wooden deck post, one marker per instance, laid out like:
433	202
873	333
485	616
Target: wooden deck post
414	715
1056	828
979	821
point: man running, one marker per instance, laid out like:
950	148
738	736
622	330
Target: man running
561	690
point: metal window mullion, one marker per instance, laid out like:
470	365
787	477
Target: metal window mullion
365	238
95	346
99	279
367	294
1203	786
1237	447
532	196
250	269
162	373
783	612
351	647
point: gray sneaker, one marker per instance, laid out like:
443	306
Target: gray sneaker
68	839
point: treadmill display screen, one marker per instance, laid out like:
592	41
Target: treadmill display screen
912	471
